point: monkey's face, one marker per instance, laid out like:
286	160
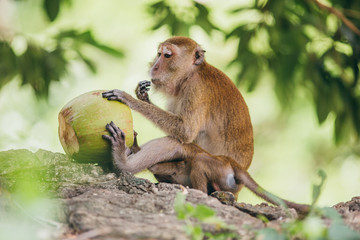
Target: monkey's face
171	65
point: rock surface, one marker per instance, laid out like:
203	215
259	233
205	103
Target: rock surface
89	202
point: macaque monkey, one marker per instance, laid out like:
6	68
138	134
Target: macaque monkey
204	107
210	137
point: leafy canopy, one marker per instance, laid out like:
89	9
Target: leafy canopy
304	45
39	64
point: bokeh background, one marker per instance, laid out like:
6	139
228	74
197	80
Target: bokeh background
295	62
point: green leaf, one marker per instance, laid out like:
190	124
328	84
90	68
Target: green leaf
317	188
341	231
203	20
91	65
203	212
156	8
270	234
54	64
338	229
339	127
52	8
179	205
189	209
88	38
322	108
8	64
79	38
197	233
331	213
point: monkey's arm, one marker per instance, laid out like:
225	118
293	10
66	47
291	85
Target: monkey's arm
184	127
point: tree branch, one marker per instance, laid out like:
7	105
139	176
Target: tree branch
337	13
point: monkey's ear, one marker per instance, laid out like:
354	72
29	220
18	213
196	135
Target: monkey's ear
199	56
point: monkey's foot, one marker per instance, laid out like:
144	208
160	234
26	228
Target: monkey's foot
142	89
135	147
226	198
116	138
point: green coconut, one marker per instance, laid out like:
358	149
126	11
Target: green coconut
82	123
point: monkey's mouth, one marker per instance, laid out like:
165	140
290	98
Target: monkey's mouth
155	81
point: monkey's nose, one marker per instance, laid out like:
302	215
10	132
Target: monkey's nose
156	67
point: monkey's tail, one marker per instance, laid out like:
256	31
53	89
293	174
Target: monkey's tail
249	182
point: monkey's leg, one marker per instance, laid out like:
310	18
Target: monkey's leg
153	152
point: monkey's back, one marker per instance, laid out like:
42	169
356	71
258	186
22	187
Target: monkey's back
228	129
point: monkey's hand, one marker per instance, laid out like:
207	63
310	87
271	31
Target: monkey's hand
120	96
142	90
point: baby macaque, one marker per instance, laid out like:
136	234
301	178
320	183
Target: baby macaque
196	168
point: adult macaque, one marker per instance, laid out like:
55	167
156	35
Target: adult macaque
204	109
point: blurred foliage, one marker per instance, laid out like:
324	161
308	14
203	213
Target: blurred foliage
204	215
313	226
39	64
305	45
42	173
52	8
179	20
299	42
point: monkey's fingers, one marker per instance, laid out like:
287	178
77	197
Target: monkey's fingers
109	139
106	137
108	94
111	130
118	131
145	89
145	83
113	94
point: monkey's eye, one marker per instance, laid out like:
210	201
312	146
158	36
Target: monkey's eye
159	54
167	55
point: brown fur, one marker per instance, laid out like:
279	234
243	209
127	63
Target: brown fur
204	107
208	173
214	114
210	136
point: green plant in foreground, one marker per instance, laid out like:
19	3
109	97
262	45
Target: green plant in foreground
321	223
314	225
203	215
